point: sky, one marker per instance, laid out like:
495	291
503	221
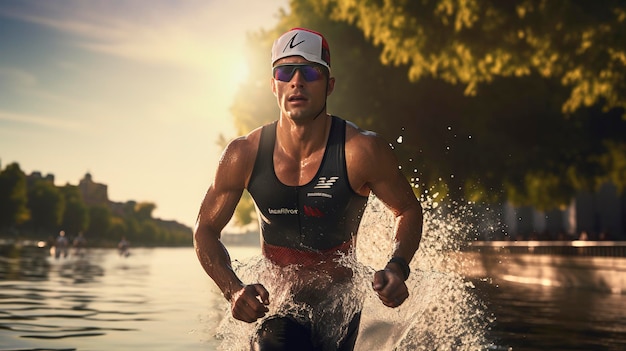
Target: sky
135	93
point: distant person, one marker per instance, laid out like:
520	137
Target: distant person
61	245
123	247
51	244
310	174
80	244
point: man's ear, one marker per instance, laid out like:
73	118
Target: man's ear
331	86
273	85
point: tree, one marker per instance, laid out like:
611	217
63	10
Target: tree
128	209
484	135
47	205
578	43
244	213
143	210
100	221
13	196
118	229
133	228
76	214
149	232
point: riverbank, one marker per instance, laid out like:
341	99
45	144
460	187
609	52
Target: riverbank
591	265
595	265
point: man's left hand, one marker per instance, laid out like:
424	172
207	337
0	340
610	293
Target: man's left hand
390	287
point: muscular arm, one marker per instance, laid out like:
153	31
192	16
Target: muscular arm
216	210
380	173
392	188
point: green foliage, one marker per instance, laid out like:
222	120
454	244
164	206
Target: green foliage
143	210
100	222
76	214
75	217
578	43
128	209
244	214
614	163
13	196
47	205
118	228
149	232
33	207
133	228
478	99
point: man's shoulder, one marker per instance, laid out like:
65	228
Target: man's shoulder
363	140
237	160
245	143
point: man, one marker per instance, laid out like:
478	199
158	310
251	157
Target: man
310	175
61	245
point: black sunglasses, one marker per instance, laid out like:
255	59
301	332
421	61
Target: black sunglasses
310	72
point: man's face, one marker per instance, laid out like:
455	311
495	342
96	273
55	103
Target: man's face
302	97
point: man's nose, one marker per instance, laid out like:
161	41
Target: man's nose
298	78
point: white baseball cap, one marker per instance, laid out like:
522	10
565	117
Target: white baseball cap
302	42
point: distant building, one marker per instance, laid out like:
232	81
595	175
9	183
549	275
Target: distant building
93	193
37	176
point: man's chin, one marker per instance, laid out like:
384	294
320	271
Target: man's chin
300	115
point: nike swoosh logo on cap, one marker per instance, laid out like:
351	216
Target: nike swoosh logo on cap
291	44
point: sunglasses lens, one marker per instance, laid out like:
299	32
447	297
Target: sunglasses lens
286	72
310	73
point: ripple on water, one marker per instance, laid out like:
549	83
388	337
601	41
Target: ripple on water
49	299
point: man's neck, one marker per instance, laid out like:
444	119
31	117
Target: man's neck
300	139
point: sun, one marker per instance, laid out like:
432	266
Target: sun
240	71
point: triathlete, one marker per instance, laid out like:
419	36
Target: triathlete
310	175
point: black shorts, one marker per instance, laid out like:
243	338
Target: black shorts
287	333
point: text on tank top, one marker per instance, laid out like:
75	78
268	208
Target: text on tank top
317	216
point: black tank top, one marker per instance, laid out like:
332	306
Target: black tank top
317	216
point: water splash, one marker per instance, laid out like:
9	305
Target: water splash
288	297
442	312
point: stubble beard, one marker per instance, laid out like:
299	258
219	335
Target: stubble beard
300	115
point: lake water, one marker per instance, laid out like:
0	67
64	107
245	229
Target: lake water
160	299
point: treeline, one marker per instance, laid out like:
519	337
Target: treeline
35	208
485	101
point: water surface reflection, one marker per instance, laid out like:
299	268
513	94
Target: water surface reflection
534	317
43	298
160	299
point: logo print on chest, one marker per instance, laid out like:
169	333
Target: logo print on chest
312	212
325	183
